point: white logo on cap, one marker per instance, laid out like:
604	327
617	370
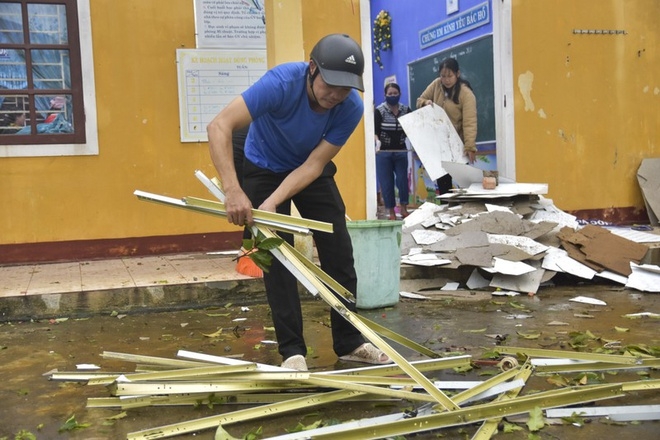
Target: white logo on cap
350	59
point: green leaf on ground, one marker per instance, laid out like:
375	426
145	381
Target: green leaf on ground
536	421
23	435
71	425
530	335
558	381
215	334
479	330
508	428
121	415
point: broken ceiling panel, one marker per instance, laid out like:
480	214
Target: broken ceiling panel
648	177
612	251
525	229
509	267
466	240
599	246
498	222
539	229
525	244
475	256
558	260
644	277
575	253
423	236
527	283
508	252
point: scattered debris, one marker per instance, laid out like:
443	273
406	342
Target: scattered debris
87	367
206	379
518	240
587	300
202	379
649	182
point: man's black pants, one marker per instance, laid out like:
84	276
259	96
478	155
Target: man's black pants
320	201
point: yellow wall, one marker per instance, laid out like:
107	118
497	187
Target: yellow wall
296	27
586	114
52	199
321	17
587	107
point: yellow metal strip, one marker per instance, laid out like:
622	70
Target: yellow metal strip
211	399
338	288
489	427
475	413
241	415
367	380
495	380
178	374
402	340
334	302
264	215
81	376
276	225
340	384
641	385
393	369
595	357
596	366
152	360
180	387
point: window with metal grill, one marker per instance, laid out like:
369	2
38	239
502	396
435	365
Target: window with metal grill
41	83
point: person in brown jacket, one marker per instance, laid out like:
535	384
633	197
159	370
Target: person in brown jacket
455	96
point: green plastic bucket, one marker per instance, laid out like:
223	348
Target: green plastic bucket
377	254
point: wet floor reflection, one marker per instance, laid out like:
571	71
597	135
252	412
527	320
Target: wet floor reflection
449	326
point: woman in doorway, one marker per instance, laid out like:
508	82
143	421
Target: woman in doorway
455	96
392	154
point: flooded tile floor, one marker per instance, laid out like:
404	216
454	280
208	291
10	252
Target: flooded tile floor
29	401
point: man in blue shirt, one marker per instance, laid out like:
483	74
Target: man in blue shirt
300	115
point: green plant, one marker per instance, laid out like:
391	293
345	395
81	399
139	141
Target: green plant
382	35
259	250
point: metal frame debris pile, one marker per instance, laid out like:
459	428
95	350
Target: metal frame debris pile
196	378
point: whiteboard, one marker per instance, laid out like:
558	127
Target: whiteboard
208	80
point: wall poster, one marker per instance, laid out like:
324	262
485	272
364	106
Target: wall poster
230	24
208	81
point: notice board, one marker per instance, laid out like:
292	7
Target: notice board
475	60
208	81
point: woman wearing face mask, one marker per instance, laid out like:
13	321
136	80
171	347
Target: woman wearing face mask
455	96
392	154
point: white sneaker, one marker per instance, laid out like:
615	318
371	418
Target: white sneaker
295	362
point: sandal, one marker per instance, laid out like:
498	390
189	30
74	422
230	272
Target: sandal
295	362
368	354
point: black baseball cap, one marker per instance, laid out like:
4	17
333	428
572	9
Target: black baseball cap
340	60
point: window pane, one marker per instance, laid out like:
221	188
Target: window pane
47	24
57	113
14	114
11	23
50	69
13	72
